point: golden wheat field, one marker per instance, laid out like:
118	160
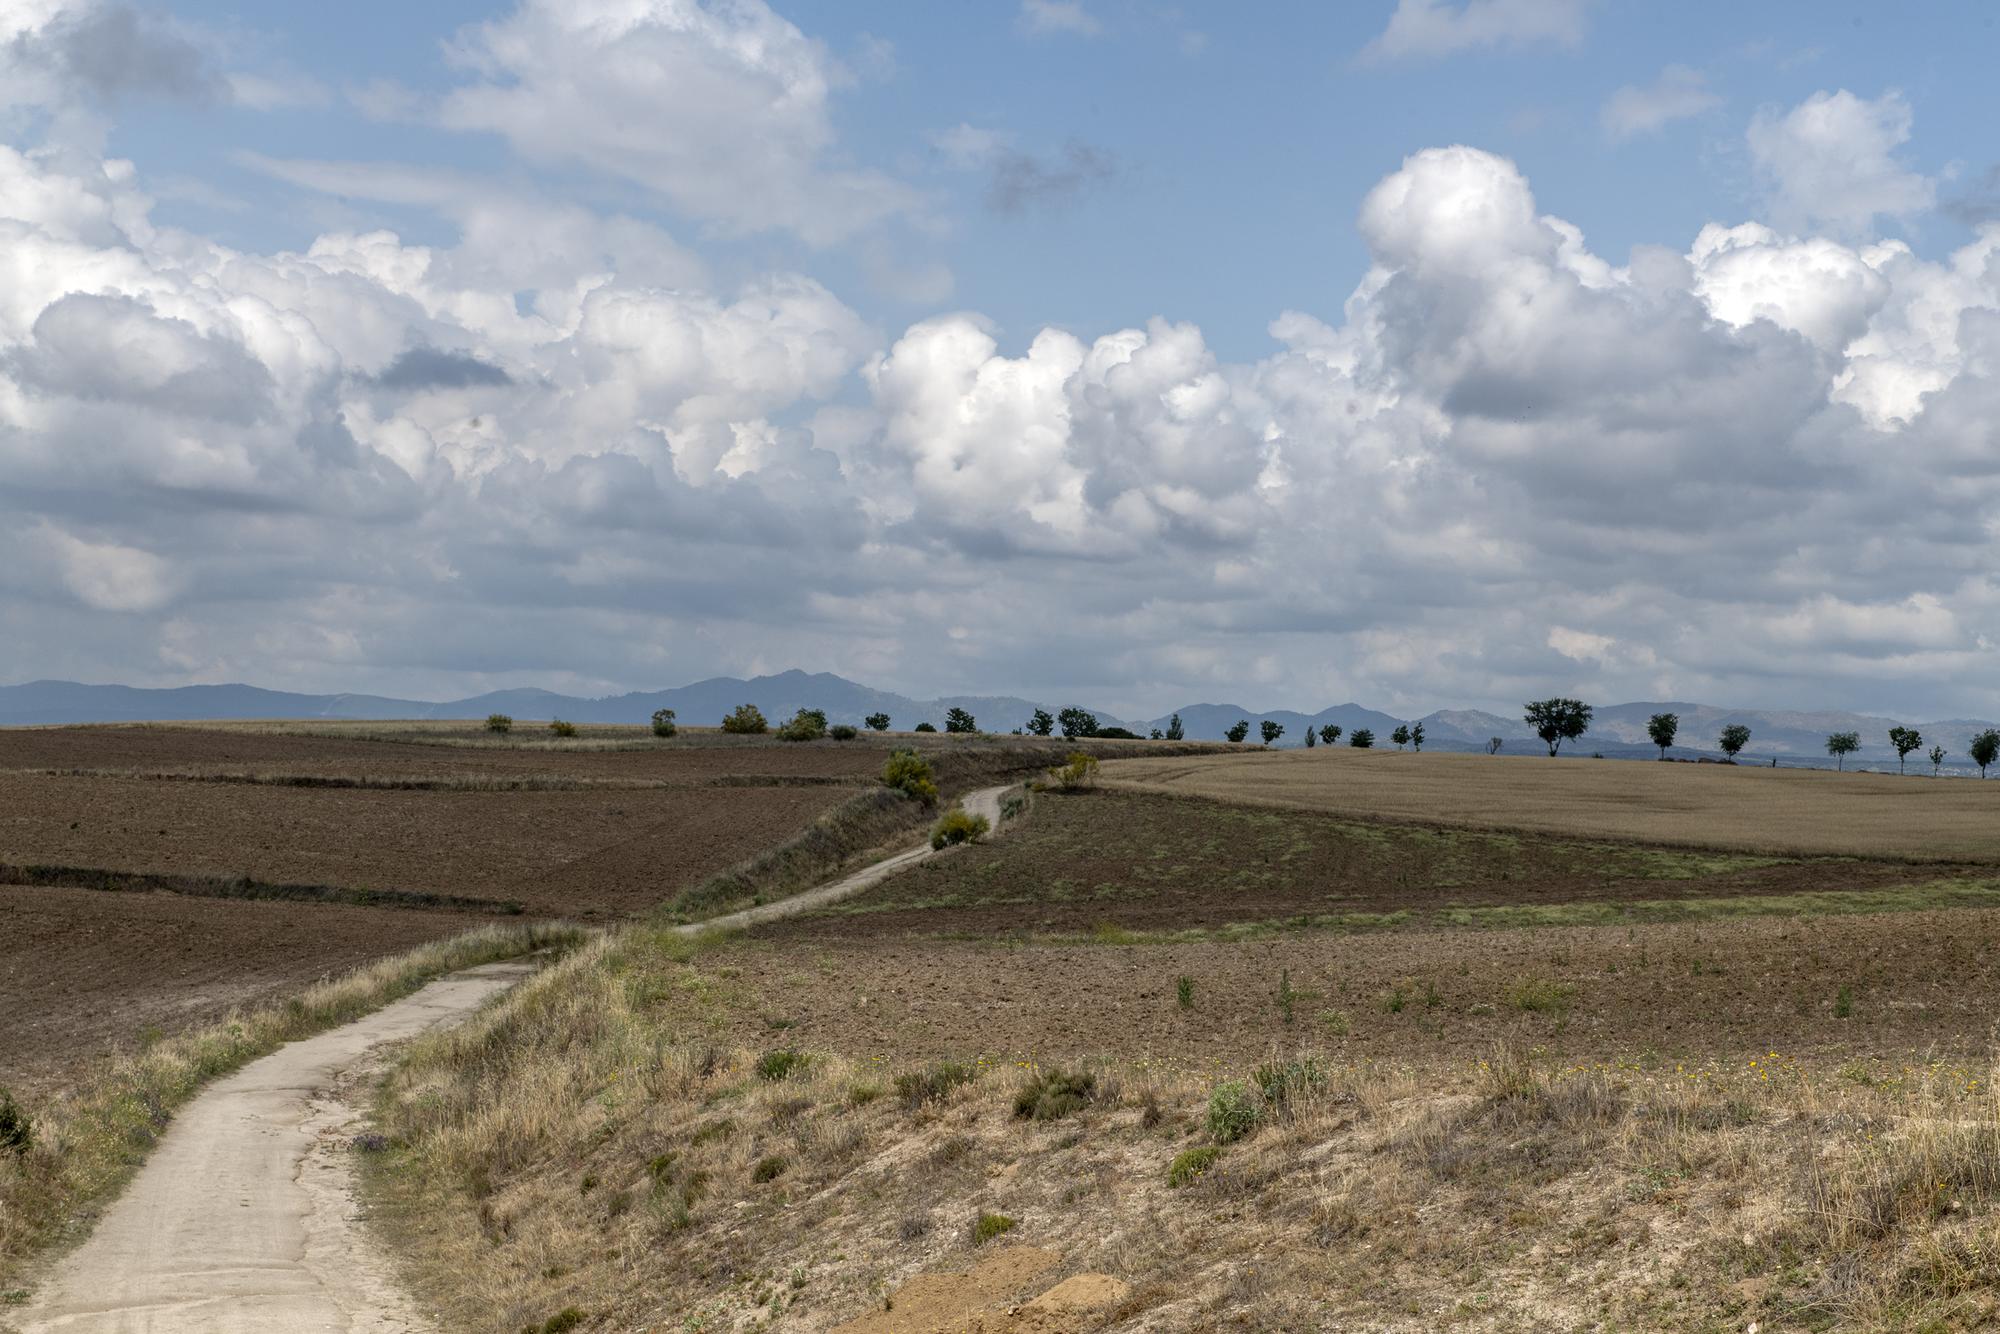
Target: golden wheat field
1787	811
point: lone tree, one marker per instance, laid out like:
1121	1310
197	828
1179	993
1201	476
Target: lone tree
748	718
1905	740
1416	736
1734	738
1985	749
1557	720
1363	739
1401	736
1174	730
1270	731
1077	722
1042	723
1330	733
1842	744
1493	744
958	720
499	722
1663	727
1312	738
1937	759
1239	730
877	721
663	722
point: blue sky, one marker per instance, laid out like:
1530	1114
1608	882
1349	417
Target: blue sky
1422	353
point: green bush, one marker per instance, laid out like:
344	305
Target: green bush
1280	1081
877	721
910	774
562	729
934	1084
1080	770
806	725
560	1323
499	722
959	827
990	1226
768	1169
663	722
1233	1112
17	1130
923	727
842	732
1053	1094
773	1066
1189	1165
748	720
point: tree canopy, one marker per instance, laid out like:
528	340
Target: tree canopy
1557	720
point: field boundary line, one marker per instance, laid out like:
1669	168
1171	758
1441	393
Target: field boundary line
107	881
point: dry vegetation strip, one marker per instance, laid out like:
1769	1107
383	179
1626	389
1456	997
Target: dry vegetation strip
68	1154
575	1147
1778	811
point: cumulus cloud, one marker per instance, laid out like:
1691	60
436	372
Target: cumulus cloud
552	446
723	111
1832	161
1432	28
1677	94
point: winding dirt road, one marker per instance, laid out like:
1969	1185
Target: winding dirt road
244	1220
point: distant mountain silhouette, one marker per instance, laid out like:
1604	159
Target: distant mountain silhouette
1617	729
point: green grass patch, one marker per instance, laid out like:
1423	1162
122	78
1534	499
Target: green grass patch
1190	1165
990	1226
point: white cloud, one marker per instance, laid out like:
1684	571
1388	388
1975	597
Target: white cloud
723	111
105	576
1432	28
1832	161
1677	94
1042	17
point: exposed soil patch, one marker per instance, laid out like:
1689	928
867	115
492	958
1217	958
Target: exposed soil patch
1916	982
83	973
579	854
1161	863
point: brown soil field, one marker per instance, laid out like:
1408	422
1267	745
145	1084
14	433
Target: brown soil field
578	854
1919	983
692	758
1161	863
1748	808
84	973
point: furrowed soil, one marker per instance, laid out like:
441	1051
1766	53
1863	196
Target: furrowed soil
1744	808
577	854
83	974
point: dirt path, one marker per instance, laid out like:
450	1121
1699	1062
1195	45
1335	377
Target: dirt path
986	802
243	1219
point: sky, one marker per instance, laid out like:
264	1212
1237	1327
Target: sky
1425	353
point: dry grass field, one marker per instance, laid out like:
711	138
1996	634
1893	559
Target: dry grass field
1751	809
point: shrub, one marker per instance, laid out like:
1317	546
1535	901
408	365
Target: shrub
806	725
1233	1112
1118	734
773	1066
17	1130
877	721
561	728
1189	1165
499	722
748	720
958	827
990	1226
663	722
1238	730
1280	1081
1362	738
1053	1094
768	1169
842	732
910	774
917	1087
923	727
1080	770
561	1322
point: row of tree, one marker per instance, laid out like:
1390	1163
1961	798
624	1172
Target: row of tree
1559	720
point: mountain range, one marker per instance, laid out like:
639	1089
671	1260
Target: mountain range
1616	730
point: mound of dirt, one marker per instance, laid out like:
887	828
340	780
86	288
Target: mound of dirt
985	1300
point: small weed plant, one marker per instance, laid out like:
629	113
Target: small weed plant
1190	1165
990	1226
1233	1112
1051	1095
773	1066
958	827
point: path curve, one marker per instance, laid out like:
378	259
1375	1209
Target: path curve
243	1218
986	802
